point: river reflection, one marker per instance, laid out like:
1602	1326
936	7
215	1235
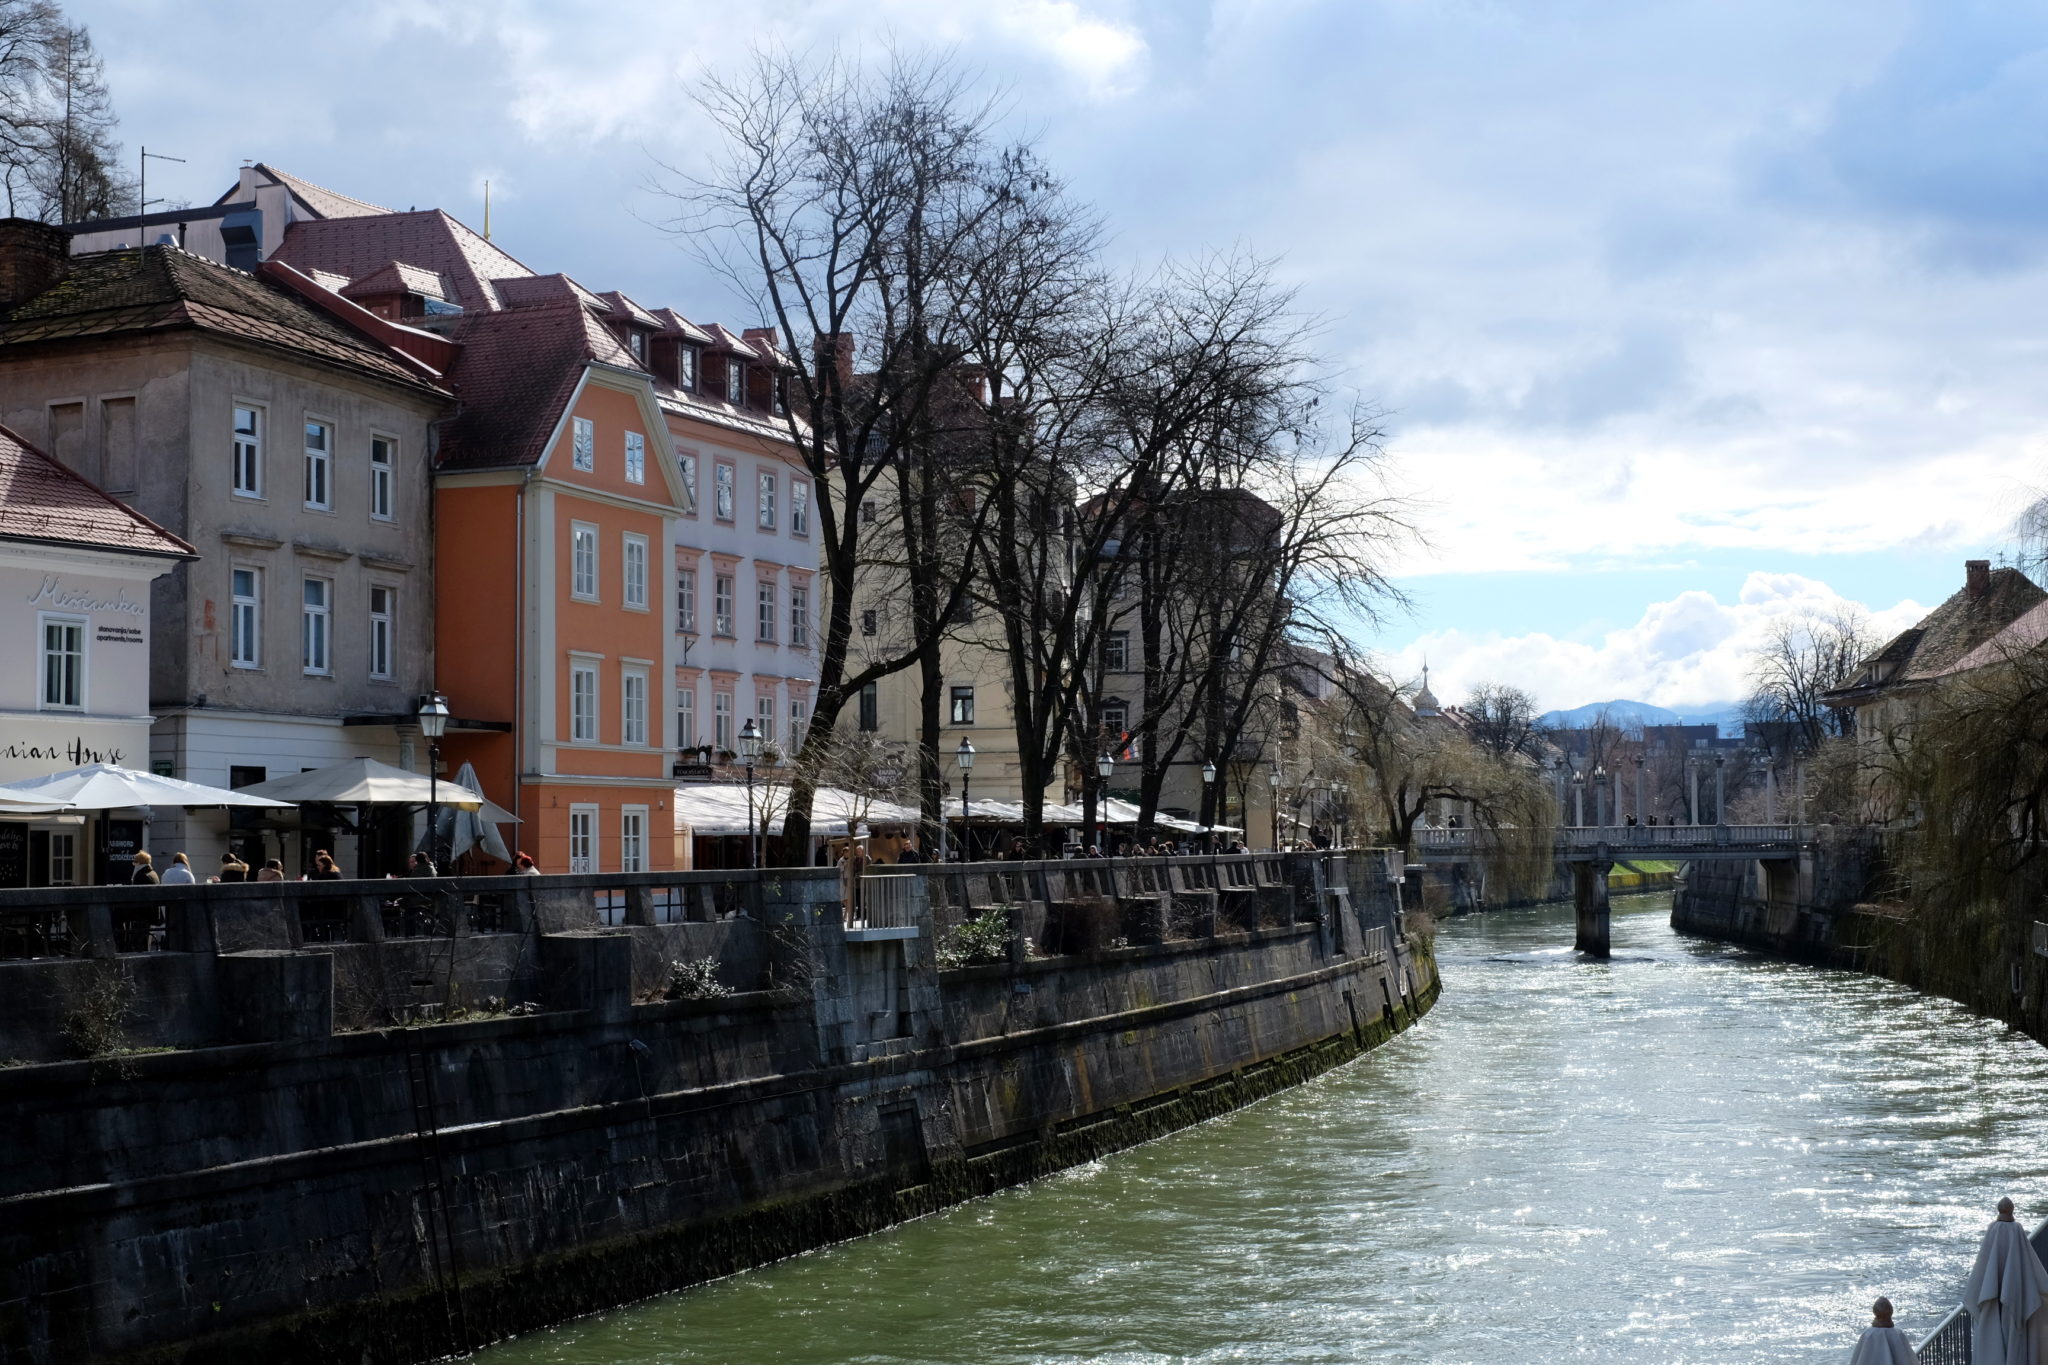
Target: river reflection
1687	1154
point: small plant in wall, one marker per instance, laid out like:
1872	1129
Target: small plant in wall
97	1002
696	979
977	942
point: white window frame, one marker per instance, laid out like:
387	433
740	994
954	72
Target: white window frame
686	716
246	456
764	612
956	712
686	367
633	706
736	383
636	457
764	716
583	444
688	464
632	838
319	467
383	478
383	633
584	539
582	837
1116	652
799	508
799	616
724	602
724	496
686	601
721	721
83	628
316	626
633	568
245	618
799	719
766	517
585	719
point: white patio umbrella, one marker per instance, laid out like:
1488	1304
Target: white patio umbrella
102	786
366	782
459	830
1882	1343
2006	1294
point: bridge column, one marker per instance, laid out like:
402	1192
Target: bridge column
1589	899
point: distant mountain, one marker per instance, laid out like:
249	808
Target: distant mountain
1629	714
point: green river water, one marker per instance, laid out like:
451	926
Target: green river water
1686	1154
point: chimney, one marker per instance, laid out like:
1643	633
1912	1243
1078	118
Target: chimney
1976	577
837	347
33	257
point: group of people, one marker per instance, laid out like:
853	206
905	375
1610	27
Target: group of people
178	872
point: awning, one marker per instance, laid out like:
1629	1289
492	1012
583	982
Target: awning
366	782
102	786
709	810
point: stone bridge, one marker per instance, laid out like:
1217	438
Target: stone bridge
1785	853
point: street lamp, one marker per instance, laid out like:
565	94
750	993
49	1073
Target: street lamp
1578	799
1600	795
1343	790
1105	767
750	753
434	724
1208	788
1273	782
1720	809
1640	811
965	753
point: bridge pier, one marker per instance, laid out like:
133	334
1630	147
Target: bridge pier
1589	900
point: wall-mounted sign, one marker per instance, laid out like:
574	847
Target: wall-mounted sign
56	595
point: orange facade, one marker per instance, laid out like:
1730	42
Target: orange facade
555	644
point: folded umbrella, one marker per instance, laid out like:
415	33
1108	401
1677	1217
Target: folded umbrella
2006	1292
1882	1343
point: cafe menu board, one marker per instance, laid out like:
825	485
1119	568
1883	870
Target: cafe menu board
120	840
13	855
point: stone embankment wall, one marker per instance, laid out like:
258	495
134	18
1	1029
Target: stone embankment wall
1836	908
398	1194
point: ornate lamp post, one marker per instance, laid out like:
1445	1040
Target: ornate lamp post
1215	815
1273	784
750	754
1578	798
965	753
1639	791
1600	795
1343	794
434	724
1720	810
1692	781
1104	767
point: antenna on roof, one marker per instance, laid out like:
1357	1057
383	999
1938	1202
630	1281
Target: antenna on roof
142	199
487	210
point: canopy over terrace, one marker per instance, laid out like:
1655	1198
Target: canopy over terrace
721	811
366	782
102	786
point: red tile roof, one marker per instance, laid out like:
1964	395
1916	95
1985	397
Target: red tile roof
396	278
429	239
41	500
163	288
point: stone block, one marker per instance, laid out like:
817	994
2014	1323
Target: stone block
271	995
587	969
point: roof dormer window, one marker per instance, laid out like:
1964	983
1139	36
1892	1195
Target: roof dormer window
736	383
686	367
636	342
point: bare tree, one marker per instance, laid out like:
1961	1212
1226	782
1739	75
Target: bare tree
1801	659
59	161
1502	719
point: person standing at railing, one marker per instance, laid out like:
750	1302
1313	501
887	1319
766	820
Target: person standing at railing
1882	1343
853	865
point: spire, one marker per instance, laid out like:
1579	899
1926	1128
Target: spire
1425	700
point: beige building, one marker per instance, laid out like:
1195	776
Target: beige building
264	420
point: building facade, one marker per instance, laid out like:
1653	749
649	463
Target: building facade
76	568
260	421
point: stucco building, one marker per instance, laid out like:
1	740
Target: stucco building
75	573
275	427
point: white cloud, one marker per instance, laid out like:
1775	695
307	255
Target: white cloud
1692	650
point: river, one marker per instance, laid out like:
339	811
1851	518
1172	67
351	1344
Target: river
1687	1154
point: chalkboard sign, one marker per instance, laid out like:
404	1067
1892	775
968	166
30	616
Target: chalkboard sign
119	839
13	855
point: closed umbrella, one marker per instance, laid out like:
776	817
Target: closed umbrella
1882	1343
102	786
2006	1292
458	831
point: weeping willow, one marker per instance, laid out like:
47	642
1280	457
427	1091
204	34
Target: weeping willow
1974	771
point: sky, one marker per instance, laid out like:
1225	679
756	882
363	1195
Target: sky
1684	316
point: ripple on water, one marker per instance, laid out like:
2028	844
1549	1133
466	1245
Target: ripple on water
1690	1154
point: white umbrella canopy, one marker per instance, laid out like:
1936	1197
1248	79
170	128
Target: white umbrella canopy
2007	1295
458	831
1882	1343
102	786
366	782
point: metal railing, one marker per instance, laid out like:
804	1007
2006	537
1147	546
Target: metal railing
887	901
1636	836
1949	1342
